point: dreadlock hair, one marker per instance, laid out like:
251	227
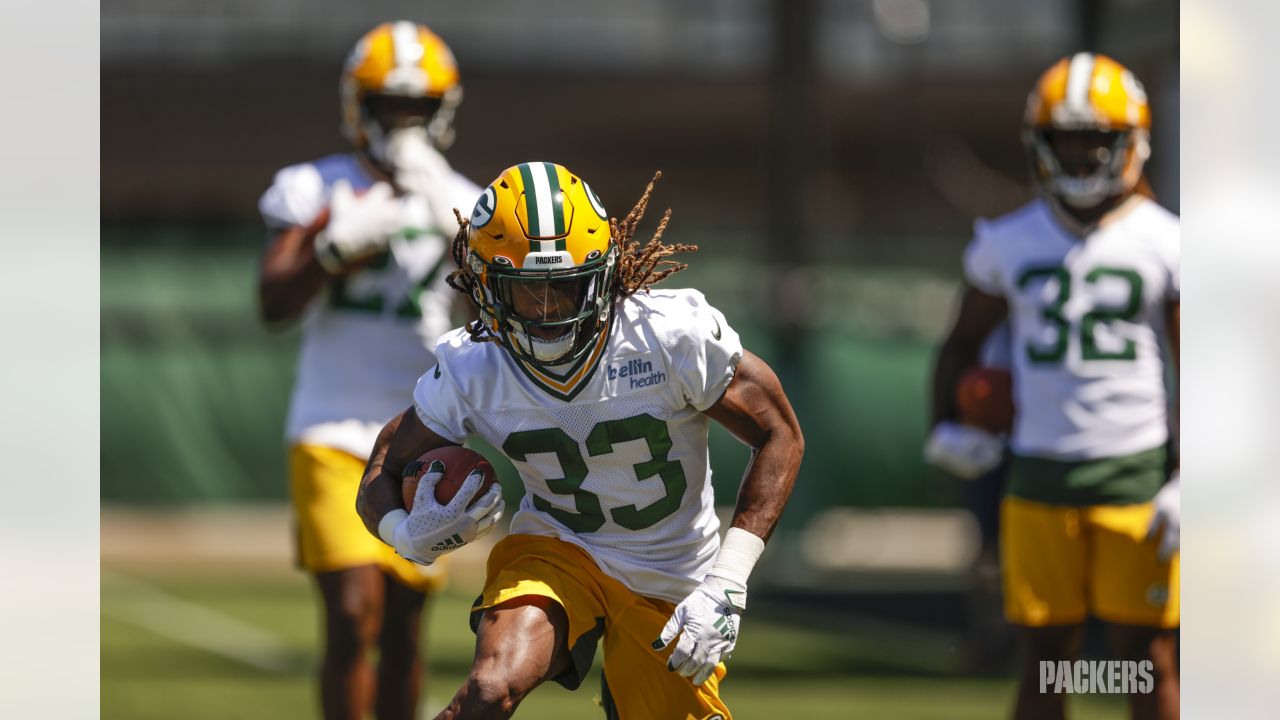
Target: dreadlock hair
465	281
640	267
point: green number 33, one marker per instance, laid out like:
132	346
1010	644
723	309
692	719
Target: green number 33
588	515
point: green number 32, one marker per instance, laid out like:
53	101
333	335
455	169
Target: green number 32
589	515
1052	315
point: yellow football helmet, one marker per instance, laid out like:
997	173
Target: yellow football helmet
398	74
542	259
1087	130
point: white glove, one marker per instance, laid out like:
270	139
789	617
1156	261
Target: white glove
421	170
964	451
359	225
708	622
1168	515
432	529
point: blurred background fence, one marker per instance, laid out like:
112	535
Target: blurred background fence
829	157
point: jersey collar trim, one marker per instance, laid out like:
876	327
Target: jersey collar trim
566	386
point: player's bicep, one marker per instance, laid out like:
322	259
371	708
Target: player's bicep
754	407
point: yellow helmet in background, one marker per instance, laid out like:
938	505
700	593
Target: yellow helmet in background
399	73
540	231
1096	100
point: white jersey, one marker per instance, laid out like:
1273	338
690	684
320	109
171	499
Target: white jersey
1086	316
613	454
367	337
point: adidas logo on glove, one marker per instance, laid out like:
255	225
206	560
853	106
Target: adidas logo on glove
450	543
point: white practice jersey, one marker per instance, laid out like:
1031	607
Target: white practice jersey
368	336
1086	319
613	454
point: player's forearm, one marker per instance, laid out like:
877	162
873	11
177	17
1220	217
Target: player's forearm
291	276
768	482
980	313
401	441
954	357
379	491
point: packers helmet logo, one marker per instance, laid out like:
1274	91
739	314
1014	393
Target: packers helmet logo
483	211
595	201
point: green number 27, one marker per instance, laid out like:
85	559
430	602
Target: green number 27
1051	313
589	515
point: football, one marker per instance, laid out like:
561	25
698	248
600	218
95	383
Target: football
458	464
984	397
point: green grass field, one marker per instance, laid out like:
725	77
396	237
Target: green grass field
236	643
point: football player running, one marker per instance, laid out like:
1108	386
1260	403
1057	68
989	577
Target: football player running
359	252
601	391
1088	277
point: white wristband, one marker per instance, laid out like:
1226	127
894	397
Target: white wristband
389	522
738	555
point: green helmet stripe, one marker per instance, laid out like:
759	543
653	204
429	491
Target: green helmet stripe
557	199
531	201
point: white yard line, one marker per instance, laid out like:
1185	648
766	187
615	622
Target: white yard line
198	626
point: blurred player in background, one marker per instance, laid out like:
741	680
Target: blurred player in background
1088	277
601	391
360	252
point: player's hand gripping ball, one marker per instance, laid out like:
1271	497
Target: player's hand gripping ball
456	462
984	397
452	497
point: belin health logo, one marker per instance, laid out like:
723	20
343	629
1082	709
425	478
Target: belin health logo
637	372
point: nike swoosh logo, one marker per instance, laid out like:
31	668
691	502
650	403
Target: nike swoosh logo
436	375
716	333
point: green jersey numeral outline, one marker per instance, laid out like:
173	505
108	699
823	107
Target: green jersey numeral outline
1051	313
588	514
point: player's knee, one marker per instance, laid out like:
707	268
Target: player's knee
351	626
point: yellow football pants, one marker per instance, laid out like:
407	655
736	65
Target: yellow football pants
1062	563
637	683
